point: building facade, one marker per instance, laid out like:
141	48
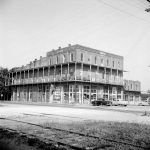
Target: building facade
132	91
74	74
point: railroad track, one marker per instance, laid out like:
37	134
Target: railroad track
44	140
49	115
74	134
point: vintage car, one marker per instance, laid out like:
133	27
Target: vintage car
119	102
143	103
101	101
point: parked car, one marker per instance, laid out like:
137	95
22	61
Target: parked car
119	102
115	102
143	103
101	101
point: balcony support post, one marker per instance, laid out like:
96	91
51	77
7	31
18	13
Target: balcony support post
117	78
105	74
108	91
12	78
38	73
61	73
8	79
54	73
24	76
90	74
48	71
43	72
75	71
33	76
111	76
68	72
20	77
96	76
82	71
15	78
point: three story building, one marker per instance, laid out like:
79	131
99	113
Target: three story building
73	74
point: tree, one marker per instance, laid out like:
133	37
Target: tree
4	90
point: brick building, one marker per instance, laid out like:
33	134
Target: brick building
132	91
74	74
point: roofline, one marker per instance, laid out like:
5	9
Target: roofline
86	49
97	51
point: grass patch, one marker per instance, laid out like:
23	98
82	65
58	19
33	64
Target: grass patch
134	133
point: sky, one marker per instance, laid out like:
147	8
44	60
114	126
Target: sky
30	28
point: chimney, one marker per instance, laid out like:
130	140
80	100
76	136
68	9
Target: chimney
40	57
59	47
69	45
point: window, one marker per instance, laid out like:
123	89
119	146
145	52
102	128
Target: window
107	62
131	86
63	57
50	61
131	98
71	57
119	90
103	75
118	63
86	89
118	96
81	56
125	85
57	60
95	60
114	77
136	87
113	64
102	61
106	90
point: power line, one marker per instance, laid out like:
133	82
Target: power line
146	9
123	11
133	4
140	37
141	3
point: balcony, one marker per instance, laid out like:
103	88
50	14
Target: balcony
69	77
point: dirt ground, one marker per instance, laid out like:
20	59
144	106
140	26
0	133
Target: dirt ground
131	114
81	118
